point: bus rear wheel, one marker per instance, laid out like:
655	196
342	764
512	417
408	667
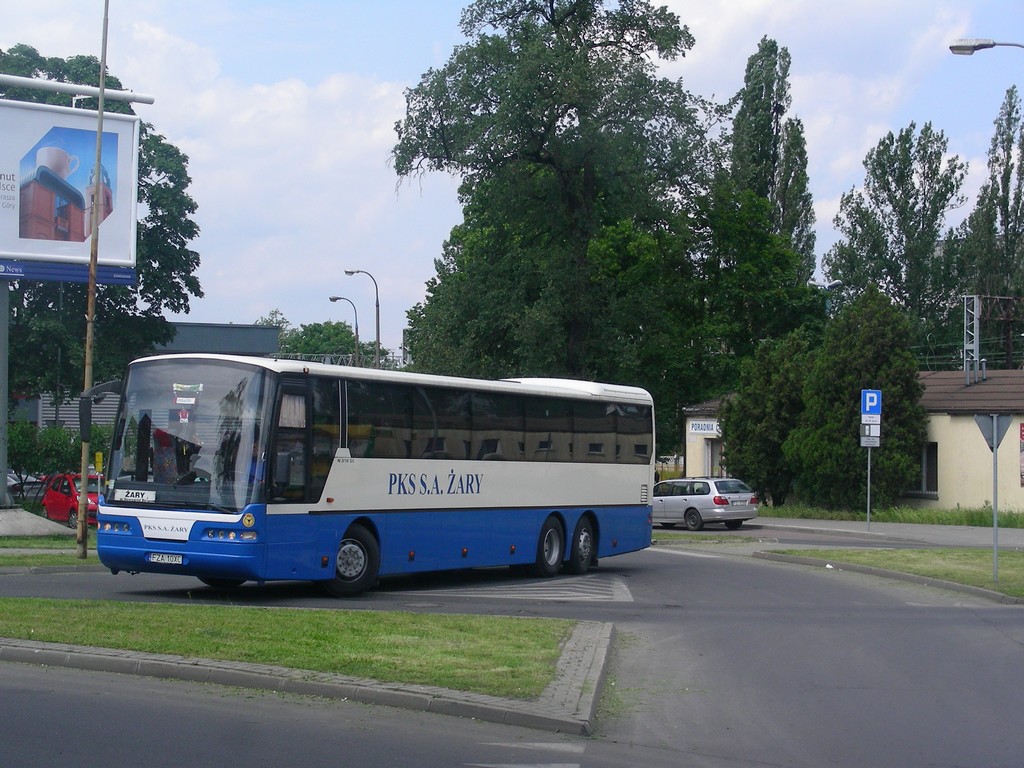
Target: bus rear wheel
356	564
582	551
550	548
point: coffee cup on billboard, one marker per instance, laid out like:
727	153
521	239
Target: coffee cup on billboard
57	160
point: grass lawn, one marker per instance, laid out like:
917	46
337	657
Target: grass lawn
972	567
39	542
495	655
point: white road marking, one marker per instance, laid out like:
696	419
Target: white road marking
590	588
558	747
683	552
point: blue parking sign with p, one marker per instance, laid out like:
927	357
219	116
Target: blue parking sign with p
871	402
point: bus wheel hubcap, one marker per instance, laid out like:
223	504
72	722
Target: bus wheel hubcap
551	548
351	560
585	546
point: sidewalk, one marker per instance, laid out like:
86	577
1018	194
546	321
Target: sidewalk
15	521
1009	539
929	535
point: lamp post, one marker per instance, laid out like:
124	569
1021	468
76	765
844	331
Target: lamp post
355	357
376	295
967	46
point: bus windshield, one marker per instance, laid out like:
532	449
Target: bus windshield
190	437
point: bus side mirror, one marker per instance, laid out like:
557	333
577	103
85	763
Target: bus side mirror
85	401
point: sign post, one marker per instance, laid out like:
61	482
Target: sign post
870	429
993	427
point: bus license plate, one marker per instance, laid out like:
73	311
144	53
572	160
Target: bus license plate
161	557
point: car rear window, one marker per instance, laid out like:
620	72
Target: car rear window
732	486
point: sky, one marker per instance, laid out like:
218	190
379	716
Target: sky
286	111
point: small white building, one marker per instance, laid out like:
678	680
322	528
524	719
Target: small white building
956	462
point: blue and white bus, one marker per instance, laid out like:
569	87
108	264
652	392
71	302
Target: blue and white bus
235	469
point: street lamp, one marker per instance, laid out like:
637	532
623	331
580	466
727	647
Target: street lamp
967	46
376	294
355	357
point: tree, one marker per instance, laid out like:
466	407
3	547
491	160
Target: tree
587	195
748	287
276	317
769	152
767	405
559	128
866	346
329	339
47	330
23	454
989	246
891	230
332	338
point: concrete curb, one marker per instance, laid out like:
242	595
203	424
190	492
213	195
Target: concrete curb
567	705
952	586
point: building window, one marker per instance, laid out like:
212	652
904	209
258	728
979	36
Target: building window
928	478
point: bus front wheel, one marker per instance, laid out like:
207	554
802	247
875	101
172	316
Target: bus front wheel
550	548
356	564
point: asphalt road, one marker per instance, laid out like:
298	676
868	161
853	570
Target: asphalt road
720	660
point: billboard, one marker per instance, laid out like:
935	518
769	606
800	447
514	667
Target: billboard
48	185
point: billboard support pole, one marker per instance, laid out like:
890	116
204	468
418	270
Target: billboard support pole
90	312
5	315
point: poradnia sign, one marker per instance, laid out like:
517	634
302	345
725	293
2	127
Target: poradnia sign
48	184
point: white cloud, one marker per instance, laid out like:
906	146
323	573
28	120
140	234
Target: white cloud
286	112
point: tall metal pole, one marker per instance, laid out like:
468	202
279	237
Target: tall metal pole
90	312
376	294
995	498
869	487
5	313
355	312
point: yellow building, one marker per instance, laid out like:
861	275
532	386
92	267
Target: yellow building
956	462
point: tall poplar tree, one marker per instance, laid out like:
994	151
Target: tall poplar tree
989	245
892	229
769	152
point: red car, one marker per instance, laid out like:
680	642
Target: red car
60	498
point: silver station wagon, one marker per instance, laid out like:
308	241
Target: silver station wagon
694	501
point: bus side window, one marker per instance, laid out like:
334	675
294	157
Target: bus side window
326	432
289	480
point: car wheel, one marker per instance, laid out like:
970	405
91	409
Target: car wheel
550	546
356	565
73	518
732	525
582	547
221	583
693	520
